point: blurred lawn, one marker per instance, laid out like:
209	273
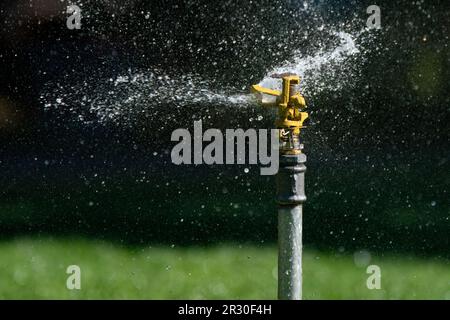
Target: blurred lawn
32	268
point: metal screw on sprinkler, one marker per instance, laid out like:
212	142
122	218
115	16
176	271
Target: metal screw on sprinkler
290	183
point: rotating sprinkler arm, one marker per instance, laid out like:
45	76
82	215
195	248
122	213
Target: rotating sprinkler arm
290	104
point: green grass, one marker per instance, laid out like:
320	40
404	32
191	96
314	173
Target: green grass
32	268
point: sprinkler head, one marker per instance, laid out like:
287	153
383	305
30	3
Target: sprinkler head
290	104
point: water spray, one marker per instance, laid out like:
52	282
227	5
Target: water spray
290	181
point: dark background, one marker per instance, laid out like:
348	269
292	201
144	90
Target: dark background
378	170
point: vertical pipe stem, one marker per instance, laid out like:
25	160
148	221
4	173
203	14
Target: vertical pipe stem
291	195
290	253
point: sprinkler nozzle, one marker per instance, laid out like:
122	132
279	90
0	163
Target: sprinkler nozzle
290	104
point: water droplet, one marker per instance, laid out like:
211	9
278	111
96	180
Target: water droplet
362	258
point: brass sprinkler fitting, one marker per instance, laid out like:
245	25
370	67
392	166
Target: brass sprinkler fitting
290	105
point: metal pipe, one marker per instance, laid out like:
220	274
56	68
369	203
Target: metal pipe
290	184
290	197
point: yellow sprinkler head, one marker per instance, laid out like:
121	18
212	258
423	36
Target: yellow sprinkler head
290	104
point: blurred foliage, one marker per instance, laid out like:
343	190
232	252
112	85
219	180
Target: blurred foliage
398	212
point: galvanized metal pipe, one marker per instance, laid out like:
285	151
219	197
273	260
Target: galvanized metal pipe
290	197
